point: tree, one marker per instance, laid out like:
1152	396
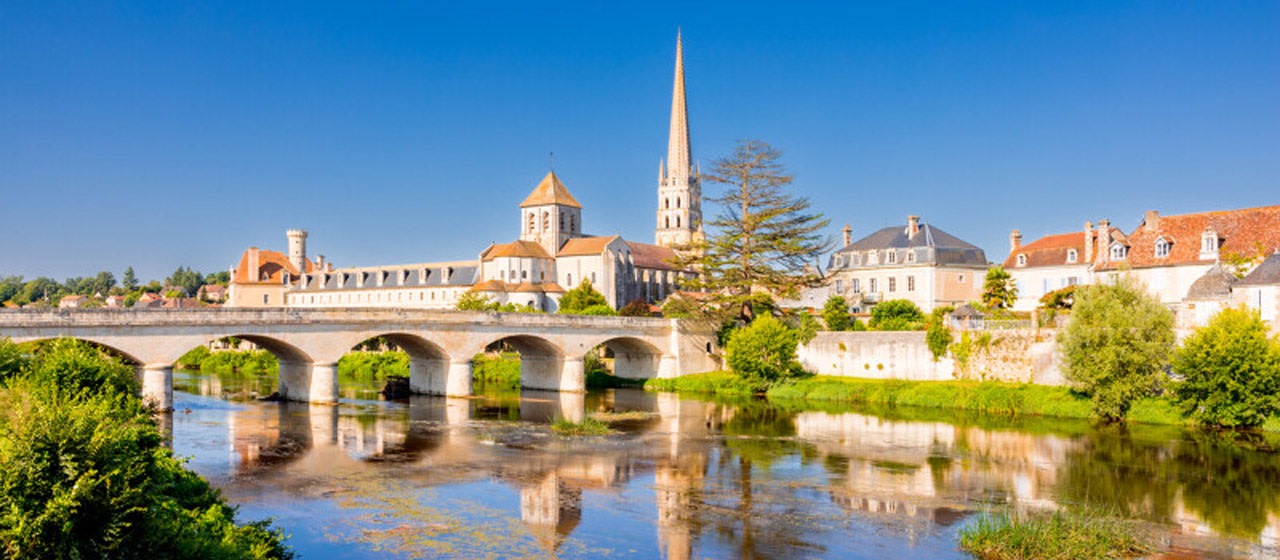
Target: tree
1230	370
580	298
998	292
189	279
764	351
130	280
1116	345
680	307
474	301
836	314
637	308
938	336
764	239
896	315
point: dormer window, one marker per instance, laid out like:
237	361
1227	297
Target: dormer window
1072	256
1118	252
911	256
1162	248
891	257
871	257
1209	242
1022	260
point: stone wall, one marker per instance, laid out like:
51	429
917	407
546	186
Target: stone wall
1019	356
877	355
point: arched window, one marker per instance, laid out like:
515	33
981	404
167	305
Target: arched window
666	203
666	222
1072	256
677	202
572	221
546	220
561	220
532	222
677	221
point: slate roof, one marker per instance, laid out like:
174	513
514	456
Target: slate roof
947	249
550	191
1241	231
1214	284
403	276
1266	274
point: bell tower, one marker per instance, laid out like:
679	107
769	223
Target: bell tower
679	188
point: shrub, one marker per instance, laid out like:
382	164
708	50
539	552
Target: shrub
192	359
939	336
374	365
86	474
998	290
678	307
602	310
581	298
765	350
896	315
857	325
637	308
1230	370
472	301
502	370
836	314
1116	345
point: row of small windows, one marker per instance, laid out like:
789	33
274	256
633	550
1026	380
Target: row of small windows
1208	244
666	222
546	221
377	297
873	257
666	203
873	284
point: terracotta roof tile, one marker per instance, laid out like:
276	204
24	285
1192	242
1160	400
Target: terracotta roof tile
515	249
1052	250
550	191
1241	231
644	255
271	268
585	246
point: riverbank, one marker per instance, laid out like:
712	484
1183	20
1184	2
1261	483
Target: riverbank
987	397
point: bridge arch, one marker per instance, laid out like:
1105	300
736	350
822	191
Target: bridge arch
129	356
633	358
542	362
428	361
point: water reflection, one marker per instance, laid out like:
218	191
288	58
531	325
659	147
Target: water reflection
700	478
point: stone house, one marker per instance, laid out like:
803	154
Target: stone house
1260	291
916	262
1054	262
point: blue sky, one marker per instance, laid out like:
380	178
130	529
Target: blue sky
166	134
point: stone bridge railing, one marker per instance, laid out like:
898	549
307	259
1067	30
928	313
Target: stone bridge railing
441	344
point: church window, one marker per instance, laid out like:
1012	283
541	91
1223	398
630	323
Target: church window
562	220
677	221
666	222
546	220
532	222
572	219
1162	248
677	202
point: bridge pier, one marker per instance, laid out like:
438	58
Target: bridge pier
157	386
324	384
573	375
458	382
668	366
427	376
294	382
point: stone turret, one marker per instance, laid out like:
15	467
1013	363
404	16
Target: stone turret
848	235
298	249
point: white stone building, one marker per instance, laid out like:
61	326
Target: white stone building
1054	262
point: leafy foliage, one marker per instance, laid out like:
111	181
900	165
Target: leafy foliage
998	291
637	308
896	315
1071	533
1230	370
763	238
579	299
87	475
938	336
473	301
1116	345
374	365
680	307
835	313
765	350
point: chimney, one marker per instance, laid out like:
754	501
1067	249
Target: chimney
1088	242
1152	219
848	235
1015	241
913	225
1104	240
252	265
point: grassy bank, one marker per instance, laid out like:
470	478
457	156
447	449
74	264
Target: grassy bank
1060	534
986	397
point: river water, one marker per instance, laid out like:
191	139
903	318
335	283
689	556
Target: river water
696	478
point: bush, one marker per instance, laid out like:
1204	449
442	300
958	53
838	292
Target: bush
581	298
472	301
86	474
896	315
374	365
1116	345
939	336
836	314
192	359
1230	370
678	307
601	310
765	350
637	308
240	361
857	325
502	370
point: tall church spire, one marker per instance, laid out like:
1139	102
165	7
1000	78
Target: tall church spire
679	158
679	194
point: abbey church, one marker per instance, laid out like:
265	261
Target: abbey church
551	254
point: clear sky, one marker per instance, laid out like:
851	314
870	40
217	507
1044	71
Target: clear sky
166	134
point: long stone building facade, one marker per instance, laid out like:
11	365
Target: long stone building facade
551	254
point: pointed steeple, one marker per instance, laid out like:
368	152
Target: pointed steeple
679	157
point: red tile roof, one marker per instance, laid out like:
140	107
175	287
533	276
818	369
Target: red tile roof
515	249
644	255
271	268
1051	250
581	246
1244	232
550	191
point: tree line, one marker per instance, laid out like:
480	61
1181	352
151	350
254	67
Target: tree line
18	290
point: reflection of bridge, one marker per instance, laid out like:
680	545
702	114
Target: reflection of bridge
440	344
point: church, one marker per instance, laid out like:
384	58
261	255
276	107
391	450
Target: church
550	256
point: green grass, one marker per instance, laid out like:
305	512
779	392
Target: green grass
602	379
1061	535
715	382
979	396
587	427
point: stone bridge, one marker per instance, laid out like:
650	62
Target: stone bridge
440	344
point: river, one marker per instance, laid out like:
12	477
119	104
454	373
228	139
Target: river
691	477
